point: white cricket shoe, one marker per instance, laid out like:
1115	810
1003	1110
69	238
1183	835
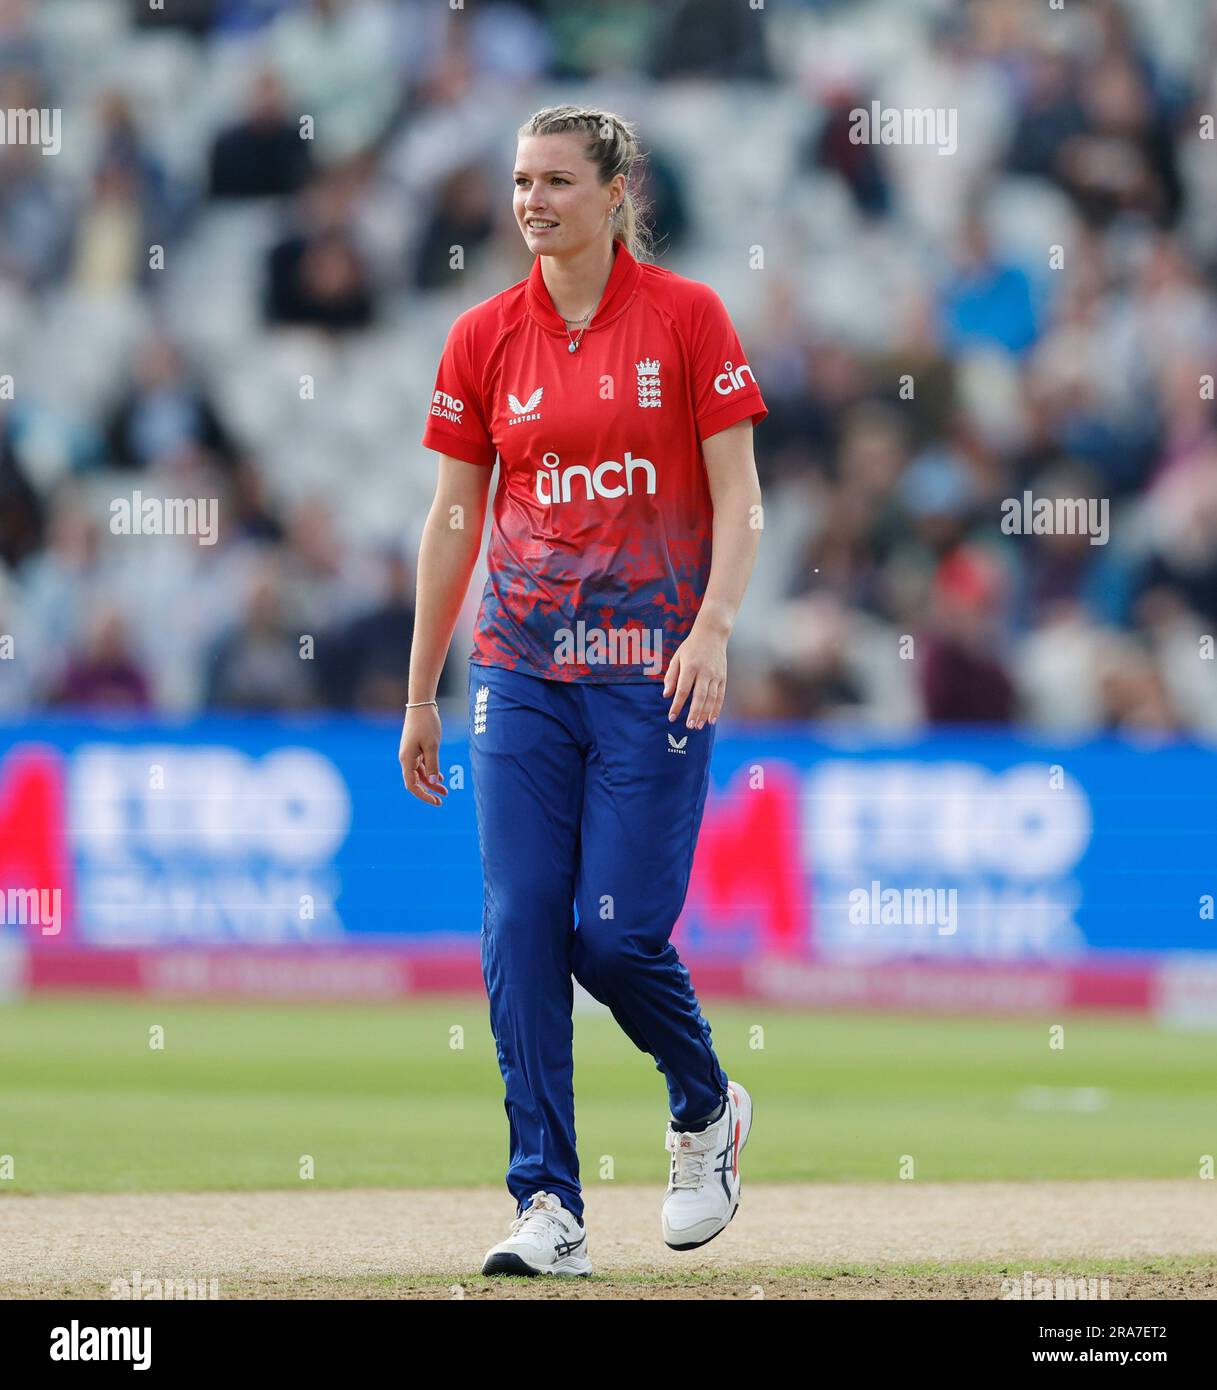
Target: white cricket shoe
545	1239
704	1179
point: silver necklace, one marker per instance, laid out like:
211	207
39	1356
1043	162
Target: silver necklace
574	342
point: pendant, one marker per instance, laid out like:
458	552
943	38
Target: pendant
572	347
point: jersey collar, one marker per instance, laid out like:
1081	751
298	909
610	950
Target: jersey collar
622	284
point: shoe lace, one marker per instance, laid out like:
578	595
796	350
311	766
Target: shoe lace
688	1159
541	1213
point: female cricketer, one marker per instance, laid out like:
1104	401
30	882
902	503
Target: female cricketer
616	396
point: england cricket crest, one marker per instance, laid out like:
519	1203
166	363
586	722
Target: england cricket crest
648	382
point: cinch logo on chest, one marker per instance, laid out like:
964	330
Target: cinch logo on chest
556	484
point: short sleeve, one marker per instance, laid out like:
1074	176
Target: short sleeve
456	422
724	387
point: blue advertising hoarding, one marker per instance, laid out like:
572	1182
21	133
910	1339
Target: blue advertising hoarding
269	832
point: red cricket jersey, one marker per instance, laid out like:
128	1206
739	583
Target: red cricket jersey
601	537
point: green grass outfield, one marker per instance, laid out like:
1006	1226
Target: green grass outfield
378	1096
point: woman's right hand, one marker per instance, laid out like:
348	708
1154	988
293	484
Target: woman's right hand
419	754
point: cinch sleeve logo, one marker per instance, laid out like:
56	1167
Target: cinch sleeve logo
732	378
554	483
448	407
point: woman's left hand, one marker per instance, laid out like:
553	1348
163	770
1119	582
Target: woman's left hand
698	667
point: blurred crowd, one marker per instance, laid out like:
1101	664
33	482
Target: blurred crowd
197	301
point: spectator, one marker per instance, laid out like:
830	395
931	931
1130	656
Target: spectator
986	301
20	506
192	16
17	685
249	514
964	680
35	216
248	16
264	155
811	674
463	216
105	675
661	191
165	413
258	664
59	580
1050	117
711	39
1125	160
130	207
854	161
20	47
317	275
335	60
1132	691
590	37
327	580
123	148
367	662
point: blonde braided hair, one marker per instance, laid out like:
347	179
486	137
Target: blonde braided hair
612	146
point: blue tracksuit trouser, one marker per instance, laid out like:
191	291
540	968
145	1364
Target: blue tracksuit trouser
587	798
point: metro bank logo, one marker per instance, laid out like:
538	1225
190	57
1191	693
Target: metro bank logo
35	861
749	892
141	843
447	407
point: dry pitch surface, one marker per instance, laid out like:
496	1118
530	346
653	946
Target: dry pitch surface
1150	1239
